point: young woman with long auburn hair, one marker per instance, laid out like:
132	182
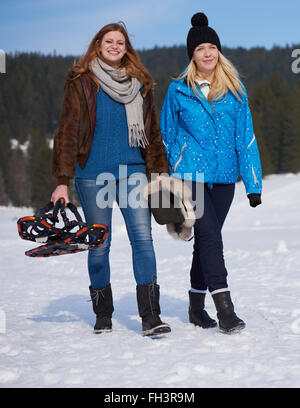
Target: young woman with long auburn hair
107	123
209	139
130	61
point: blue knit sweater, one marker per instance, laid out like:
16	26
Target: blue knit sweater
110	146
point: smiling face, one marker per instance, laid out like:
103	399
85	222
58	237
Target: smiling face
113	48
206	57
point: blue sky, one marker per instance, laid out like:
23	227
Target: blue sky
67	26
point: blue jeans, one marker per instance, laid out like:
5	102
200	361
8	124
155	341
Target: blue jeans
208	266
138	225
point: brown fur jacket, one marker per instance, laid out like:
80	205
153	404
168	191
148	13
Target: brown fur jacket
74	135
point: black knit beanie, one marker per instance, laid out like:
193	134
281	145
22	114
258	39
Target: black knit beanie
200	33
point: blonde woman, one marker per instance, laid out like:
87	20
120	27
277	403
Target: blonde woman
207	130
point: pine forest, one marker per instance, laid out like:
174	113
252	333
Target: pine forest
31	94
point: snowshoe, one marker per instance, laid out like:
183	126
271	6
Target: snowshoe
74	236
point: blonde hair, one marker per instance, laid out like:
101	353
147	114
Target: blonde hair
226	79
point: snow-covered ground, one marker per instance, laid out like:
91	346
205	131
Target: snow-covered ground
46	321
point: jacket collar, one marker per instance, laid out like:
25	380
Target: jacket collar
184	89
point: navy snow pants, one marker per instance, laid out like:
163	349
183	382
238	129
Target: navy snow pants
208	266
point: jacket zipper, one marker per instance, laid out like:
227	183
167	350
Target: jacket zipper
255	178
180	158
251	141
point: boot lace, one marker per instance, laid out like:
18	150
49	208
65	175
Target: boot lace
96	295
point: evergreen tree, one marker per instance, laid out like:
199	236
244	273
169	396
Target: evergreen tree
31	95
18	179
39	166
3	194
5	151
291	145
272	104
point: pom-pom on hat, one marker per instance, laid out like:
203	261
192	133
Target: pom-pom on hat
201	33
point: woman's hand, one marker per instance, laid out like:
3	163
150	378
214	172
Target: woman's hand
61	191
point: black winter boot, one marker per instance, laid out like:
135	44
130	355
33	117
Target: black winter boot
197	315
228	320
103	308
149	310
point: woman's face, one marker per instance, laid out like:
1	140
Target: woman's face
206	56
113	48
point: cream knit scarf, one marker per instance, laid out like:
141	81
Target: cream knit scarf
123	89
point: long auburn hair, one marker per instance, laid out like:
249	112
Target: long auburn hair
131	60
226	79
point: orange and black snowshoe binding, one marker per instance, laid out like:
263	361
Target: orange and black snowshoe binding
74	236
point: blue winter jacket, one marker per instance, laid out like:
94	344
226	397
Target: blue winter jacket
213	138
